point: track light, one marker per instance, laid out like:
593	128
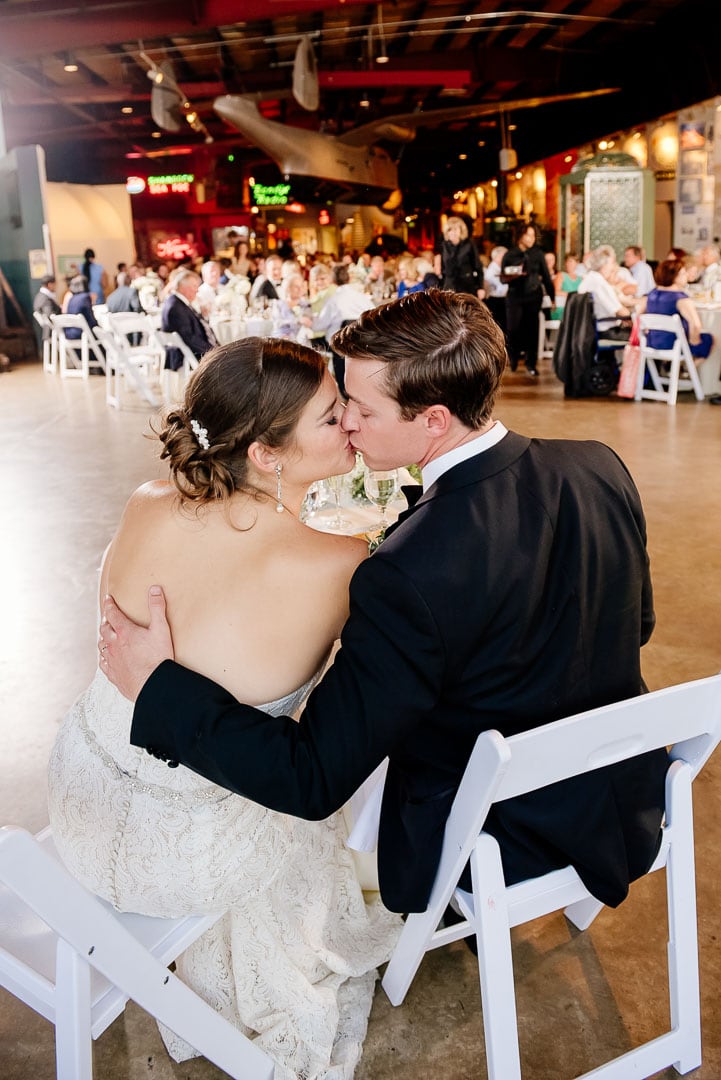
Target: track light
69	64
364	103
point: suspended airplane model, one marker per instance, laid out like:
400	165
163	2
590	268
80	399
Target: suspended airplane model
354	160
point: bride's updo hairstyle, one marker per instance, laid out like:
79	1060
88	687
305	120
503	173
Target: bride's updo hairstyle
251	390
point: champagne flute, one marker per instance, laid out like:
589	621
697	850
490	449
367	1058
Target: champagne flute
381	485
335	484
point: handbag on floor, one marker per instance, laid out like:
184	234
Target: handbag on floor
629	368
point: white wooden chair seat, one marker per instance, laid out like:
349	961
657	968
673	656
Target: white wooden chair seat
685	717
75	960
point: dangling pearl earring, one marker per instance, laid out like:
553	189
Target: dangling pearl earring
279	508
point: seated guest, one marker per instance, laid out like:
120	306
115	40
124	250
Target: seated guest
321	287
613	318
709	257
640	271
670	298
293	317
179	315
208	291
80	303
376	282
45	301
269	287
409	279
125	297
347	303
567	280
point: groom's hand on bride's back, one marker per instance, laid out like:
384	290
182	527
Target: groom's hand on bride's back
130	653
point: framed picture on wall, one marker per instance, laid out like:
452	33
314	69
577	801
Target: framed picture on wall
692	162
689	190
692	135
69	265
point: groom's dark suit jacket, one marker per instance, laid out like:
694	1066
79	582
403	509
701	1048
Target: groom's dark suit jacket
516	592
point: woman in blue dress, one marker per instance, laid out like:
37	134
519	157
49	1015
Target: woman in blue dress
97	278
670	298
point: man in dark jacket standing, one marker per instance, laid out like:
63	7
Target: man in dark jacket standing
525	270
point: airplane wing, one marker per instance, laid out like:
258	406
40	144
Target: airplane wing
402	127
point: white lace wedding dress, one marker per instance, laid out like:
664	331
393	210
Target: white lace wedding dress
292	962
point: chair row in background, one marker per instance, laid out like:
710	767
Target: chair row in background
128	348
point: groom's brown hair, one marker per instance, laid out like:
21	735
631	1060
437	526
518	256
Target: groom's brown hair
439	348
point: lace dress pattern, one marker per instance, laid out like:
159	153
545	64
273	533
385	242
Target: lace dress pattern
292	961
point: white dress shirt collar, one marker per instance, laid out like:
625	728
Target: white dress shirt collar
435	469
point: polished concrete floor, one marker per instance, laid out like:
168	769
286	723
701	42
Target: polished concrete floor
67	464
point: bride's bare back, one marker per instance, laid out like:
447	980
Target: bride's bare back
255	607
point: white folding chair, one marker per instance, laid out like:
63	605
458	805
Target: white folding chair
123	364
75	960
174	381
666	386
100	311
83	352
50	342
547	334
687	718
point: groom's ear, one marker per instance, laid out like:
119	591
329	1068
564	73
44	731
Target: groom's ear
262	457
437	419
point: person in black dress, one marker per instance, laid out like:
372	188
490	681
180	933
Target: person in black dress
457	262
525	270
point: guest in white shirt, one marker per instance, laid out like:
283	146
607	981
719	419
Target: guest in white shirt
347	303
641	272
608	309
208	292
709	257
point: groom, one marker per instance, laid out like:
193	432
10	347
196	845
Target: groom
515	591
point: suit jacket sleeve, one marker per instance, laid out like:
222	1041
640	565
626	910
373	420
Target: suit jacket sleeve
385	679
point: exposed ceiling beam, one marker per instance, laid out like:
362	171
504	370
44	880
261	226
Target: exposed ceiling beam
32	28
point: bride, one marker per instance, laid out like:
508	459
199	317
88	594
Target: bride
255	600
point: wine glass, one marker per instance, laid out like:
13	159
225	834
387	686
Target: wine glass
381	485
335	484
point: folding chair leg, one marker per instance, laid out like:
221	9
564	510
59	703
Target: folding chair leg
583	912
673	381
682	931
495	962
73	1037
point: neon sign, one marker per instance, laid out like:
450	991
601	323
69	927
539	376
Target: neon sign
176	183
175	248
271	194
134	185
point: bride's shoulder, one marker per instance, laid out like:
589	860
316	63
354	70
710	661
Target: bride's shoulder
344	553
151	494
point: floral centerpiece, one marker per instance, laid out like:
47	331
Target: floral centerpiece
231	298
